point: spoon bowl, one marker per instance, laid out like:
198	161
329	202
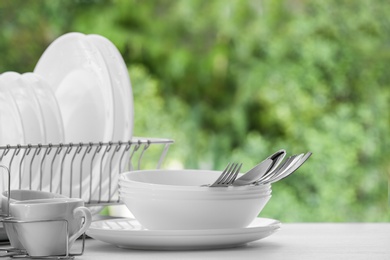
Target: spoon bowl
263	168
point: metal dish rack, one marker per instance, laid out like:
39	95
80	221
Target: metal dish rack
84	170
97	165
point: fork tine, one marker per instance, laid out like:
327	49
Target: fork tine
234	175
228	173
223	174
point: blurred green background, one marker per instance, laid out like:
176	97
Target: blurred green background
237	80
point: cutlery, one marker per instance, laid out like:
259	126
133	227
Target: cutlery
280	169
264	167
254	174
290	170
228	175
277	157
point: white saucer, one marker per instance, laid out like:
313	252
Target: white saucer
128	233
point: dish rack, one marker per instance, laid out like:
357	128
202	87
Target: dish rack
84	170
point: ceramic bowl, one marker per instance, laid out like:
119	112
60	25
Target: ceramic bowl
175	200
181	180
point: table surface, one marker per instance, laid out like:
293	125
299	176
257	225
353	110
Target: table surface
293	241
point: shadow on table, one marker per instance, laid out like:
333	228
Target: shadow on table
257	248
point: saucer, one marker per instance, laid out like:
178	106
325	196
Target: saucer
128	233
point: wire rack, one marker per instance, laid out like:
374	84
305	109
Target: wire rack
84	170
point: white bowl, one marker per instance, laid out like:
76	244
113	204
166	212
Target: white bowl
175	200
189	195
185	214
223	194
180	180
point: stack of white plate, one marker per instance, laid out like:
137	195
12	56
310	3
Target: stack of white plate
80	91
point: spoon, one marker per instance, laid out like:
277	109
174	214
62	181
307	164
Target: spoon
289	162
260	169
291	169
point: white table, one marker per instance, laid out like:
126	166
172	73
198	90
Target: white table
293	241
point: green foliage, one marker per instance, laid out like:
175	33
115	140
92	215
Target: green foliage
238	80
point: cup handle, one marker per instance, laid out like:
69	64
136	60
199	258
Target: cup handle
79	213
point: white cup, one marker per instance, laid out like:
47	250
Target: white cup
49	227
22	195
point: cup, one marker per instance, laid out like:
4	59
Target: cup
49	227
20	195
23	195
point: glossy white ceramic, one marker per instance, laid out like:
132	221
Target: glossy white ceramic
11	132
11	127
52	117
176	200
33	128
187	180
47	177
123	112
77	72
128	233
24	195
67	219
204	192
159	213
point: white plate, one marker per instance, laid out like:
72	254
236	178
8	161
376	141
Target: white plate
53	127
50	109
33	128
11	127
128	233
78	74
11	133
123	106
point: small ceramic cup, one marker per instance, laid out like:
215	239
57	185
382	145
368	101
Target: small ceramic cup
22	195
49	227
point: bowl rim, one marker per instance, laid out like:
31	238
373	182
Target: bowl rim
149	197
123	179
176	193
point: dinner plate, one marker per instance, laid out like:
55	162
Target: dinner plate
33	128
123	115
53	127
11	128
11	133
128	233
50	109
77	72
10	121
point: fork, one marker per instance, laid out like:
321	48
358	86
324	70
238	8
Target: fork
228	175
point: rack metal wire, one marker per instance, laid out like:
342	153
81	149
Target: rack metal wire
23	253
17	251
85	170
